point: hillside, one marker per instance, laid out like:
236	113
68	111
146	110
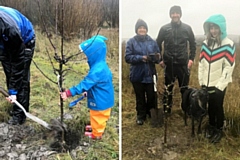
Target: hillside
146	143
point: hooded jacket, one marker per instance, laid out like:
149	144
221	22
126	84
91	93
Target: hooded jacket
216	62
15	31
136	48
98	81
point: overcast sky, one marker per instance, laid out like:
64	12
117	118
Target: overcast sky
194	12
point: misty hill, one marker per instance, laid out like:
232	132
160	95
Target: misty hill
200	39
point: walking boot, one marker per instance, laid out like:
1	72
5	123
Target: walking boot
217	136
139	121
18	116
16	120
210	131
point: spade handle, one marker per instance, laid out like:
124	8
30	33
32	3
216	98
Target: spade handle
5	93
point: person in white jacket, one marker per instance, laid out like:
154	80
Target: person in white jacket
216	64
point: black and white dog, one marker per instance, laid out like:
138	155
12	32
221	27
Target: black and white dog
194	104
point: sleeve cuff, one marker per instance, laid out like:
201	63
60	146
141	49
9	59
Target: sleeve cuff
12	92
69	94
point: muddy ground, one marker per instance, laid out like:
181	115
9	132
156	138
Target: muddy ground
24	142
147	143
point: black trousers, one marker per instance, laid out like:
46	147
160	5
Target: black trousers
171	73
146	98
23	95
215	108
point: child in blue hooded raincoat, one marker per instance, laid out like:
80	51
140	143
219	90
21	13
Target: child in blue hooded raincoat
216	64
97	85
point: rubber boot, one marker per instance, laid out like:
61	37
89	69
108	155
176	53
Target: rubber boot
18	116
88	128
90	135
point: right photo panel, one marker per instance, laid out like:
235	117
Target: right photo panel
180	79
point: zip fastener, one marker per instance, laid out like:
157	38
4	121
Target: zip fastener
226	76
209	68
147	63
175	37
148	67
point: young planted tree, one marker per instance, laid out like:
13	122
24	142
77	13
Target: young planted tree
61	58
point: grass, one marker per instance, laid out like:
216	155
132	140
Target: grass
145	142
44	100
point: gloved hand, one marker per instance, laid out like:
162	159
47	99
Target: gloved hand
204	87
162	64
12	98
85	94
65	94
150	59
154	57
146	58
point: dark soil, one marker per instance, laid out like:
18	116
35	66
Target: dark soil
24	142
145	142
71	141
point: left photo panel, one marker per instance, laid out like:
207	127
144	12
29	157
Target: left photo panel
60	80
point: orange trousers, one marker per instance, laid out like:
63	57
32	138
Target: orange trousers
98	120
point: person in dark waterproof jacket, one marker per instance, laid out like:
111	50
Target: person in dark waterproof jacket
142	69
216	64
97	86
177	61
17	42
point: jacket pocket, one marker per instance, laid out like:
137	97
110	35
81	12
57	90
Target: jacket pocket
181	58
167	58
28	54
137	73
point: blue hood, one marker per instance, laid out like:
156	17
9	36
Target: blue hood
219	20
95	49
24	25
98	81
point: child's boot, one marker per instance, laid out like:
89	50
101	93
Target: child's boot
90	135
88	128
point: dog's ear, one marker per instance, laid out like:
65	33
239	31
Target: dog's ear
204	91
200	103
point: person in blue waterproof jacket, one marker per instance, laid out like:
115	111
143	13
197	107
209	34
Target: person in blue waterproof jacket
97	85
138	53
17	43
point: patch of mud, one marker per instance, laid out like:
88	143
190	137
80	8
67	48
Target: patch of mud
25	143
71	141
150	143
177	140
